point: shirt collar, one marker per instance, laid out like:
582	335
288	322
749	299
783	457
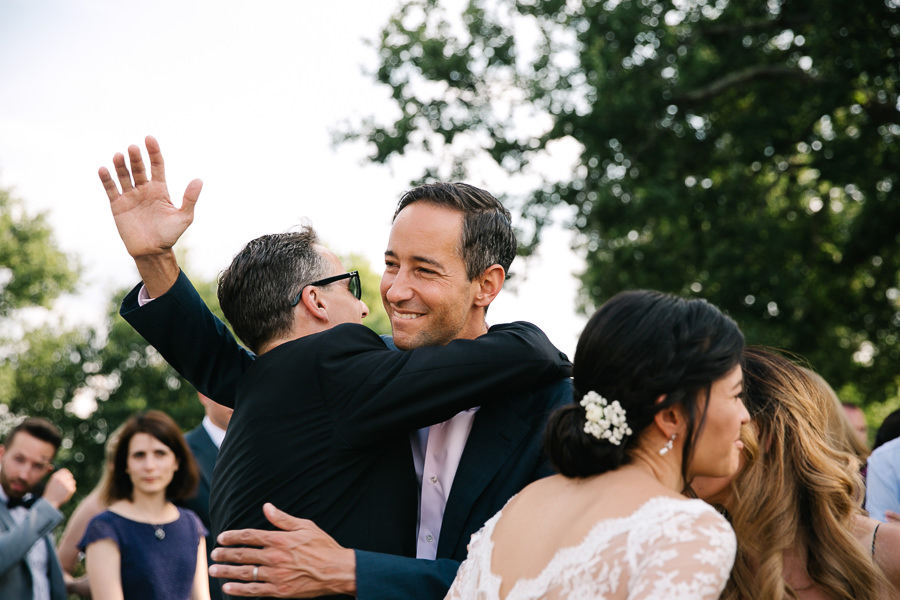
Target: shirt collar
216	433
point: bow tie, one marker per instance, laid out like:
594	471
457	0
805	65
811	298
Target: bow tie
14	502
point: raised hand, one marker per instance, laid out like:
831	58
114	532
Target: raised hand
59	488
147	220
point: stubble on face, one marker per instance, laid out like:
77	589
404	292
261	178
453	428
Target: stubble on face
425	289
37	456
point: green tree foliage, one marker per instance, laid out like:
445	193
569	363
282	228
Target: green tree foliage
32	270
370	280
746	152
88	381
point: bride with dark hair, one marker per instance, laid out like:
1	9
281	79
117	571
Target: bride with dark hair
657	402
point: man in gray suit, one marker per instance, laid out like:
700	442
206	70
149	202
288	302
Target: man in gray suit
29	568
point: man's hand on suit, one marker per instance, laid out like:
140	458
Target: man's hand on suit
299	561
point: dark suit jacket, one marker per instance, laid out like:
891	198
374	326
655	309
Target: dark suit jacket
321	423
16	539
205	452
502	456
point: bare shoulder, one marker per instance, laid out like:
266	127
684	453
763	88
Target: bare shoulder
887	551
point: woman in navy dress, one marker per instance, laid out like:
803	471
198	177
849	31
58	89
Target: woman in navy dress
143	546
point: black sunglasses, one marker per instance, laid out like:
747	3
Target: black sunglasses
355	285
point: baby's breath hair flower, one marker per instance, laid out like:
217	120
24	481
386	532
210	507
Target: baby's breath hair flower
604	420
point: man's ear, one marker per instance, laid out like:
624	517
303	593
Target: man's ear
490	282
312	301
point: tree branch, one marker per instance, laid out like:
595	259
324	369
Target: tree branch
752	25
739	78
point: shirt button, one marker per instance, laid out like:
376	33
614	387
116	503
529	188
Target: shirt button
434	479
429	538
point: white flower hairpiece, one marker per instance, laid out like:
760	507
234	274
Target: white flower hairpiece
604	420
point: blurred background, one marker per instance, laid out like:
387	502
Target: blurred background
742	152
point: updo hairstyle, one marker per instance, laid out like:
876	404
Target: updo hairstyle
638	346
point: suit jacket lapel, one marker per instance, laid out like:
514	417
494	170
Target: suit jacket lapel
6	518
497	431
205	451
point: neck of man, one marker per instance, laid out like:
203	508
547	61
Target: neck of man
300	329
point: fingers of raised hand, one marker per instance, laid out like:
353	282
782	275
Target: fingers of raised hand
137	165
112	191
191	195
122	172
157	165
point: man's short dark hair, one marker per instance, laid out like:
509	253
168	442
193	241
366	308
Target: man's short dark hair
255	291
487	236
39	428
159	425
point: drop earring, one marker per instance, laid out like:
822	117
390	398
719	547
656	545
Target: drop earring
665	449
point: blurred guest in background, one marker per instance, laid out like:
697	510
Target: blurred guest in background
888	430
143	546
795	505
28	565
857	419
70	556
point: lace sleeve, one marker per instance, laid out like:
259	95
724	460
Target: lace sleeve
474	575
688	558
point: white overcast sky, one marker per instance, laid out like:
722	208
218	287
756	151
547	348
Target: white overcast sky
243	95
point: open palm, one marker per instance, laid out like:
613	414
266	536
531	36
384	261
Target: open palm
147	220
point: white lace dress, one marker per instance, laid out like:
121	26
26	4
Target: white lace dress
668	548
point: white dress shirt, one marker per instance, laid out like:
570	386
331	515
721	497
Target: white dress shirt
215	433
436	468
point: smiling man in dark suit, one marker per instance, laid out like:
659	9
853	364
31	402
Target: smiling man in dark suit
443	237
437	286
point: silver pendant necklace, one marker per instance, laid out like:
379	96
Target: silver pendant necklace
160	533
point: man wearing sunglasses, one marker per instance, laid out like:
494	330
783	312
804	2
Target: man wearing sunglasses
324	412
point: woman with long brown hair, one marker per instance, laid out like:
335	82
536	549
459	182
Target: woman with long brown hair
796	504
